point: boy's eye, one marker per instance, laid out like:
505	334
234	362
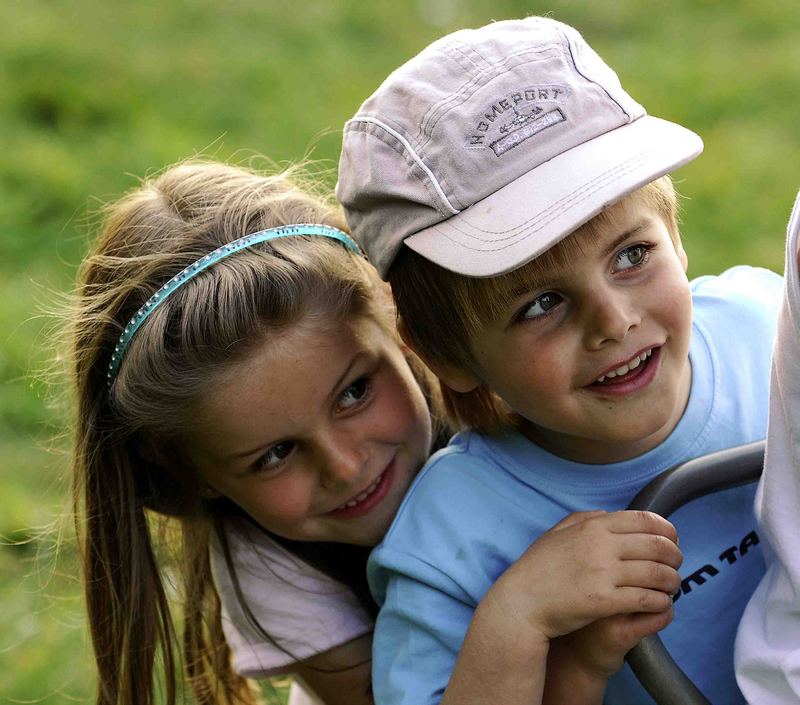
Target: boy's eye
275	455
631	257
542	305
355	394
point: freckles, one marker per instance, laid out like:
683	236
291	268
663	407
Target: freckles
282	504
551	373
404	407
533	391
397	400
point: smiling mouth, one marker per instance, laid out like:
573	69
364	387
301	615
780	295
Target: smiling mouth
625	369
358	499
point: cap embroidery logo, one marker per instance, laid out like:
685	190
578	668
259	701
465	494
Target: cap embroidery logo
527	130
521	119
528	120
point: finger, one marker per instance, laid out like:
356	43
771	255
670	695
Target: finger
635	521
577	518
626	631
648	574
643	624
649	547
636	599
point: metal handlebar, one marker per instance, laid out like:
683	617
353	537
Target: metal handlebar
725	469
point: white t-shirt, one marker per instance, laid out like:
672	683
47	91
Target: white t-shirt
768	641
300	696
304	611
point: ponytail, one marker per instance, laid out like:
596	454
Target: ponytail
206	652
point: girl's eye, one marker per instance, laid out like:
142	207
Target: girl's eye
542	305
275	455
631	257
355	394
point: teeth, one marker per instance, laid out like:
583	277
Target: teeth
360	498
624	369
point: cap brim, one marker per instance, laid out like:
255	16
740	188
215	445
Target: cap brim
535	211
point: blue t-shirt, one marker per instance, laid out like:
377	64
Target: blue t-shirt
479	503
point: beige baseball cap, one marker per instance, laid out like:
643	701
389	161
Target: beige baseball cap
493	144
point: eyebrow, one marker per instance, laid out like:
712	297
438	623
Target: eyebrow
340	380
635	229
545	279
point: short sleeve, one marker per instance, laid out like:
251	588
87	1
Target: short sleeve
421	625
428	576
301	612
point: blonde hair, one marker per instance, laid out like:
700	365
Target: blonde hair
127	455
444	311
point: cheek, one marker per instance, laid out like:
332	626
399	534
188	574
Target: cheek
402	412
674	304
278	504
525	380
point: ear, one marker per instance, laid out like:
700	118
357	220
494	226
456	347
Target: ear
208	492
453	376
155	454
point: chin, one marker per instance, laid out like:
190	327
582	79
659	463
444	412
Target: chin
370	534
639	433
376	534
367	538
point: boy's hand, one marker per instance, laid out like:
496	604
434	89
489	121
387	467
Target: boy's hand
599	648
579	664
590	566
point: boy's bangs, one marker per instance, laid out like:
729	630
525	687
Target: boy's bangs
489	298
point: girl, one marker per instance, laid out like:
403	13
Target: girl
266	396
237	371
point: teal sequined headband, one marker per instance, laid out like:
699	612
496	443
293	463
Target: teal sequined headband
204	263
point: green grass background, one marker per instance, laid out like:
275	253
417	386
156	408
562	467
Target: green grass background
95	94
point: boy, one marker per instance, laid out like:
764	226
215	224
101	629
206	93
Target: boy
543	280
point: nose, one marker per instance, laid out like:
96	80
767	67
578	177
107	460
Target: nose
610	315
342	458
